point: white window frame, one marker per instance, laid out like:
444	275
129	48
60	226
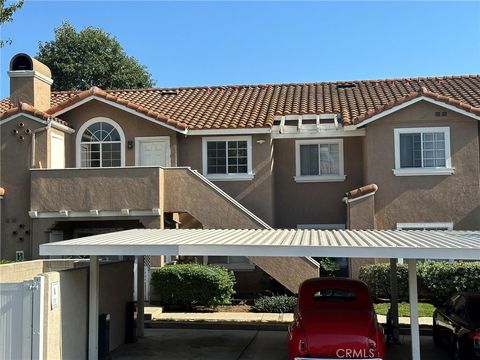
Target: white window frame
139	140
447	170
227	177
82	130
319	178
245	266
54	135
426	226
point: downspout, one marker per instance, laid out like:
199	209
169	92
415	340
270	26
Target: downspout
34	132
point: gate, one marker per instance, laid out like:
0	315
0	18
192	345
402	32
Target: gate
21	319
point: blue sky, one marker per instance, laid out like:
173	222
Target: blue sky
214	43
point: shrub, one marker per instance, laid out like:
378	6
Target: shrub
275	304
5	261
444	279
377	277
188	285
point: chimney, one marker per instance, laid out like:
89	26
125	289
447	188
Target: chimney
30	82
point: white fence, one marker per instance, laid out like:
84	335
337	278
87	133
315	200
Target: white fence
21	320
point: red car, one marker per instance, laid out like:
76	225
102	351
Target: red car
335	319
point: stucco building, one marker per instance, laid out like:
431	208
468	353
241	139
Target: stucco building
384	154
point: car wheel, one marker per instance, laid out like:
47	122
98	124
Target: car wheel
436	336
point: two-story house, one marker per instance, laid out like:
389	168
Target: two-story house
383	154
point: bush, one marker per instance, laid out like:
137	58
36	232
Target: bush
275	304
377	277
444	279
437	280
184	286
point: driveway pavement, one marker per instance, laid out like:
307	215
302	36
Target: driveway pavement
195	344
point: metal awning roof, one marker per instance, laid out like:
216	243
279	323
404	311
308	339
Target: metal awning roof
408	244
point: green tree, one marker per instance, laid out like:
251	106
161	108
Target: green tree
91	57
6	15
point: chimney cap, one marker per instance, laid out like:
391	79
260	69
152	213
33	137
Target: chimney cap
24	62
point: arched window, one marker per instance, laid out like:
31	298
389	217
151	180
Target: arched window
100	144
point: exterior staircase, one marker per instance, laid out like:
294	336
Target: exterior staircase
188	191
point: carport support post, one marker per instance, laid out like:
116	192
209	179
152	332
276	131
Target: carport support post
93	308
394	301
413	299
140	296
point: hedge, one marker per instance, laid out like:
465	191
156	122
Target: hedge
377	277
275	304
438	280
444	279
184	286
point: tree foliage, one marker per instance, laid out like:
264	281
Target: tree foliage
6	15
91	57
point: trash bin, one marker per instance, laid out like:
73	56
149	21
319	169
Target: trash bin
131	322
104	337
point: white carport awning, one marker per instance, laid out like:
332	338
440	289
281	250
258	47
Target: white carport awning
408	244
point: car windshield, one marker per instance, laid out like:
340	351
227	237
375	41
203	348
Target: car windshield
330	295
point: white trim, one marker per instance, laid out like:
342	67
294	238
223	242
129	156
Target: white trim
311	131
423	171
230	131
305	117
413	300
82	129
54	124
413	101
319	178
399	171
228	177
93	213
348	201
121	107
58	137
140	139
406	226
30	73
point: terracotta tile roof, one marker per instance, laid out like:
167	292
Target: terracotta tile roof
364	190
249	106
29	109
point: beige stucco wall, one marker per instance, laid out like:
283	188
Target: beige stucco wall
15	159
186	192
316	202
99	189
256	195
31	91
132	126
454	198
361	213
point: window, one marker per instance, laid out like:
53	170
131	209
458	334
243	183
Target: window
319	160
422	151
100	144
227	158
230	262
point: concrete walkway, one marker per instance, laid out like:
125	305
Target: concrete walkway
187	344
247	317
